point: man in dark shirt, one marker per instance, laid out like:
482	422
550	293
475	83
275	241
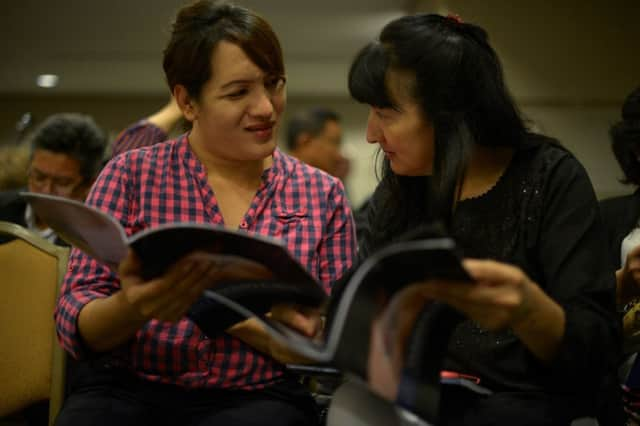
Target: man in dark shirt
67	154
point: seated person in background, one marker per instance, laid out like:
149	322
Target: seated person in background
14	165
149	131
621	217
541	329
314	136
66	156
148	364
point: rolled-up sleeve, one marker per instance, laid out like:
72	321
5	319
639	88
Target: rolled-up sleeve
138	135
572	250
87	279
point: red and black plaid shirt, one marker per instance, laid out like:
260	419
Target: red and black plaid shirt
166	183
138	135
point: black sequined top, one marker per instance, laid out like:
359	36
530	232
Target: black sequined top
542	215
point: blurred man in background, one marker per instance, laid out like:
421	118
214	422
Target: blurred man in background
67	152
314	136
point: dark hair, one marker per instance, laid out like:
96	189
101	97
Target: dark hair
75	135
197	30
625	139
460	88
310	121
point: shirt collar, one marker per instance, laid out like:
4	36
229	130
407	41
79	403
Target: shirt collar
282	165
30	220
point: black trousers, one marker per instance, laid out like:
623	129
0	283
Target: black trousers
110	396
460	407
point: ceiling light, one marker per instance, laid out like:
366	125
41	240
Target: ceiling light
47	80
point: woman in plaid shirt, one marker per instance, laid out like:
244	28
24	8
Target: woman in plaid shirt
142	360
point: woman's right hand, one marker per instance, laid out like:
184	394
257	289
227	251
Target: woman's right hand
168	297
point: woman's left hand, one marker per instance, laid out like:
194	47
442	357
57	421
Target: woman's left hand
498	298
503	296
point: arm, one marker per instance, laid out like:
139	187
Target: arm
167	117
338	249
87	280
502	296
537	320
573	257
567	308
154	129
97	310
107	323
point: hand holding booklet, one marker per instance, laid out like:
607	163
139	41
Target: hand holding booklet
282	278
369	296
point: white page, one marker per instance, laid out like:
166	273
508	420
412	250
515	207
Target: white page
85	227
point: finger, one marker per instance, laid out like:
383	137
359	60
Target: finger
489	271
183	292
233	268
492	306
156	295
450	290
466	298
186	292
292	317
130	265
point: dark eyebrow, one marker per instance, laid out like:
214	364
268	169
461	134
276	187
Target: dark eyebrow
236	82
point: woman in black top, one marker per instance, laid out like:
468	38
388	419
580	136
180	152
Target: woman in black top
621	215
541	329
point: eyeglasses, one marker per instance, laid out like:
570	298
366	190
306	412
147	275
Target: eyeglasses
56	185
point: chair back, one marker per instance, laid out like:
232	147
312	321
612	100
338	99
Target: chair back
32	363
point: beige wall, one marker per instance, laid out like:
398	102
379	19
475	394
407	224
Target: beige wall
116	112
112	113
569	64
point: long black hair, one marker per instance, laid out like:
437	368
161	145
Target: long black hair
460	88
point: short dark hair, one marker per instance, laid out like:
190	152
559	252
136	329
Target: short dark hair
458	85
625	139
197	30
76	135
310	121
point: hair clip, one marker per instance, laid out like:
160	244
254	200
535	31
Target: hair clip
455	18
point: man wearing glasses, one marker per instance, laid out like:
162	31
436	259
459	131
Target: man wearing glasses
67	155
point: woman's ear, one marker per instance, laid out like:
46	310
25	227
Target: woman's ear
185	102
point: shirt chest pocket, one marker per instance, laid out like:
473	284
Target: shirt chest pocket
289	222
300	232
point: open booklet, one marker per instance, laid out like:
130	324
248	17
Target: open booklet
375	314
381	331
103	238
